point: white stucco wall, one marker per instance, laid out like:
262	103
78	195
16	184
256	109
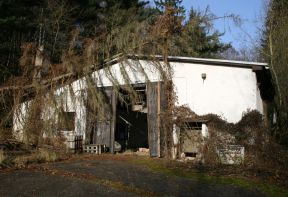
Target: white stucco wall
72	99
226	91
19	119
128	72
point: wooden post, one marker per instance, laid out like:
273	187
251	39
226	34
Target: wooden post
152	119
158	117
113	121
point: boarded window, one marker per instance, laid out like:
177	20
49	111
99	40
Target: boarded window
191	138
66	121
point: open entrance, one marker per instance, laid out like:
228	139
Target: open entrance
131	120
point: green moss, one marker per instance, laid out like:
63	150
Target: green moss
160	166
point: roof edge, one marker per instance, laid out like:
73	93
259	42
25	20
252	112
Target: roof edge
219	62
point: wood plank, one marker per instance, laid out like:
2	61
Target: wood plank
164	122
152	119
104	115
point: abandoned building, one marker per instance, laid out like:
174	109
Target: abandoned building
223	87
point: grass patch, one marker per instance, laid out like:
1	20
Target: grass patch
161	166
126	188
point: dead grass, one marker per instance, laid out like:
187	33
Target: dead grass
2	156
39	156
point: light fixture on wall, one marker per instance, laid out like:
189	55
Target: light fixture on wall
203	75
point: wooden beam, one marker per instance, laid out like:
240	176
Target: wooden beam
113	120
158	117
152	119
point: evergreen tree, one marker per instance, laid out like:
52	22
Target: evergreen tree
50	23
176	4
18	25
198	39
275	41
112	26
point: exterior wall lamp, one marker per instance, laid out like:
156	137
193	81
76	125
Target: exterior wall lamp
203	75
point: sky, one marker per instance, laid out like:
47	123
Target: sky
251	13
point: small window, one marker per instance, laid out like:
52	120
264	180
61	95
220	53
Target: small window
66	121
141	98
190	154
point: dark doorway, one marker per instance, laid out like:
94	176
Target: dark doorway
131	120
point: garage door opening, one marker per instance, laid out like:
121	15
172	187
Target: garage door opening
131	122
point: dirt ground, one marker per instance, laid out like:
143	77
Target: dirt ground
106	176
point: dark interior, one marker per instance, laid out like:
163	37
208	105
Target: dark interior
131	124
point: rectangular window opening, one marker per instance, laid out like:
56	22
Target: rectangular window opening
66	121
190	154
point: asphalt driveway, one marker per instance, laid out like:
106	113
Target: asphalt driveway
106	176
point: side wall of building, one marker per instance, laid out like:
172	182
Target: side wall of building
223	90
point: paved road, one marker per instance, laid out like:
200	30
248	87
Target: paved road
106	177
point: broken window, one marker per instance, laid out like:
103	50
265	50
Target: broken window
66	121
